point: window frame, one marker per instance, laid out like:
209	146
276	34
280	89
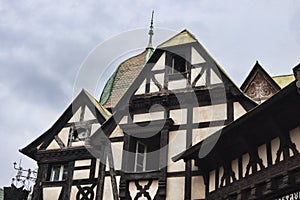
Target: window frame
62	173
144	157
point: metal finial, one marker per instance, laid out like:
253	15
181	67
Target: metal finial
151	33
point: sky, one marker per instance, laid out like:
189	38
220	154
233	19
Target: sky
43	45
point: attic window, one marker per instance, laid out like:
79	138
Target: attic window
79	133
178	64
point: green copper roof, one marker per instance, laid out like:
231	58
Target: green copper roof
122	78
284	80
1	194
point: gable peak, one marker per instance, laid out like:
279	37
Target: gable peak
183	37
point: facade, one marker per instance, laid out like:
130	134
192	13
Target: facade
178	129
256	156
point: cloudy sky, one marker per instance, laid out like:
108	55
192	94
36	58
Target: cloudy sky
43	44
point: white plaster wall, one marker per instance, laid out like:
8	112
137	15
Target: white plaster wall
95	127
178	84
141	89
196	57
76	116
179	116
200	134
81	174
214	78
53	145
235	168
295	137
212	180
51	193
79	163
209	113
78	144
198	187
117	149
73	194
194	73
88	115
108	193
97	168
160	64
175	188
238	110
64	135
194	167
274	148
177	144
221	173
148	116
118	132
160	78
153	87
245	160
124	120
262	153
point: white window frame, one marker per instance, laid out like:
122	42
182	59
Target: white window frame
144	154
61	172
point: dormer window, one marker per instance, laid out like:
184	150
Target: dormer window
79	134
178	64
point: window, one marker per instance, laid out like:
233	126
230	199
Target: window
178	64
140	157
59	172
79	133
144	154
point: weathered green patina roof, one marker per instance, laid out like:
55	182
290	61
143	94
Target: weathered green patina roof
123	77
283	80
1	194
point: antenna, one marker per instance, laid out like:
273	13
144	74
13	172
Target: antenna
151	33
26	179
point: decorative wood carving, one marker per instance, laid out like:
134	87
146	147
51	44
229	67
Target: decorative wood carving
259	89
143	190
85	193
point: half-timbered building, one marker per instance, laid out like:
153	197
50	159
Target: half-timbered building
256	156
171	125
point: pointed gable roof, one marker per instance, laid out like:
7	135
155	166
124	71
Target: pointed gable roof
83	99
183	37
259	85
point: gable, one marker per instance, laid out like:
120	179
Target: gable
183	37
259	85
160	75
81	120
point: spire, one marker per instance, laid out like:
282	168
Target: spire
151	33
